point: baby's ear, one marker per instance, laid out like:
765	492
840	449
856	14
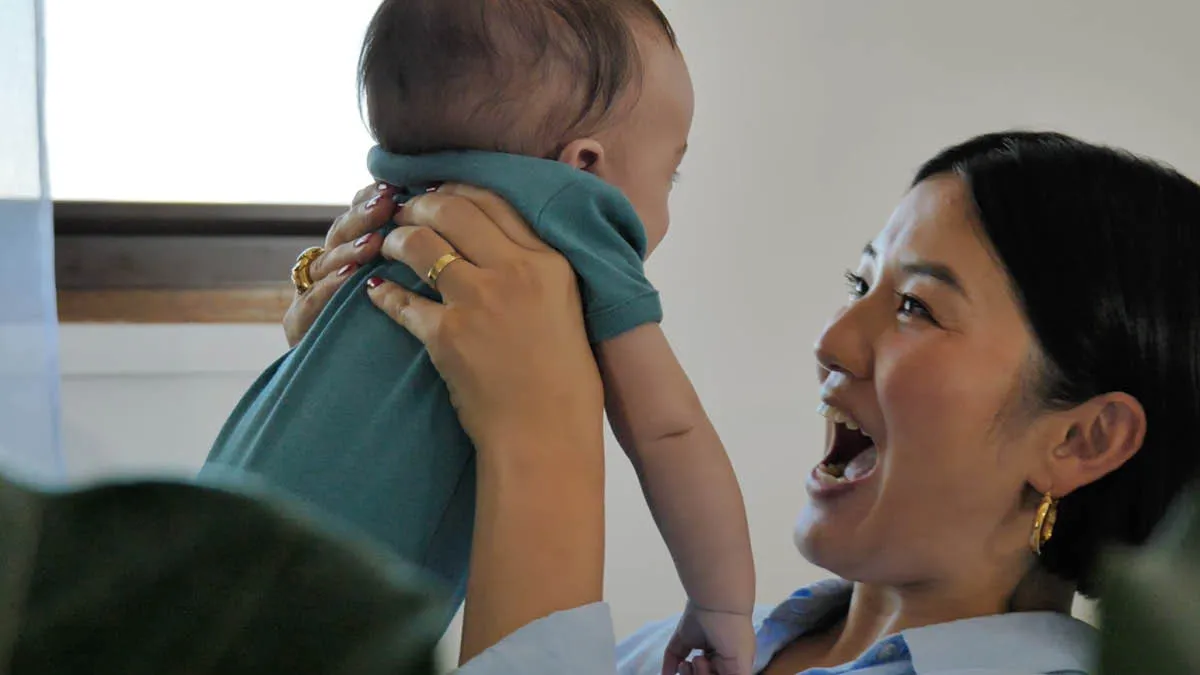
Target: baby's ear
585	154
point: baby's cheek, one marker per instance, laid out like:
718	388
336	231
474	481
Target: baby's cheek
655	233
652	210
657	227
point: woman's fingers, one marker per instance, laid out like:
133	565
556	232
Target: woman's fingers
371	209
351	242
501	212
329	271
471	231
353	253
306	307
419	316
420	248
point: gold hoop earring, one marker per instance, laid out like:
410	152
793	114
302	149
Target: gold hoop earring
1043	523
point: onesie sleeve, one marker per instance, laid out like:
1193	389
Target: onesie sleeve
604	240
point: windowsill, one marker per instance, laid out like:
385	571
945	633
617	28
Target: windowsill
265	305
144	263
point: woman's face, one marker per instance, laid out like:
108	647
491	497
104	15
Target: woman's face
930	356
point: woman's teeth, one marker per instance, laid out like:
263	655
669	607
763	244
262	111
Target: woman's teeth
846	472
856	467
837	416
834	471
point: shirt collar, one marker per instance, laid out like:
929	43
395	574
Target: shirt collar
803	611
1024	641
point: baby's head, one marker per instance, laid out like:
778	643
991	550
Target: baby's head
598	84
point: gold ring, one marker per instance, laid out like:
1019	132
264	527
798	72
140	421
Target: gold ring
300	273
440	266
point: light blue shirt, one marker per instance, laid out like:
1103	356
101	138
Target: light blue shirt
580	642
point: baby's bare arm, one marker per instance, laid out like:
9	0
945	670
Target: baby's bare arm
686	476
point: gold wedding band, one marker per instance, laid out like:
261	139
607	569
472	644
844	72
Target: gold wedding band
440	266
300	272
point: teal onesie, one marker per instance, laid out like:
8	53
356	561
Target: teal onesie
355	419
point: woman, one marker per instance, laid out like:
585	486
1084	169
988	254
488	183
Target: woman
1013	383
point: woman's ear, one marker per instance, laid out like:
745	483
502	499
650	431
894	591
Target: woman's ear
1104	433
585	154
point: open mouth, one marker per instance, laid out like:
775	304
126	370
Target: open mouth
852	456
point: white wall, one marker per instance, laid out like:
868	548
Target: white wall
811	117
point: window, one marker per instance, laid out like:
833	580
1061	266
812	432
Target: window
225	101
173	131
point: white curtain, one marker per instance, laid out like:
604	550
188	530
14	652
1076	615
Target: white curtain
29	447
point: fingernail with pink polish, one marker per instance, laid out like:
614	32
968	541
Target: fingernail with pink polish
374	282
364	240
346	270
373	203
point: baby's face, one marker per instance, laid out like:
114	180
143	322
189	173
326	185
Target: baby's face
644	148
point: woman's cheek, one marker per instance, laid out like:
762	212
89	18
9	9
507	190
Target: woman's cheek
926	399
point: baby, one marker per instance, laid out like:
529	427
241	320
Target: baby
577	112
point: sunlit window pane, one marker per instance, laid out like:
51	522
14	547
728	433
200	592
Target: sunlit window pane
245	101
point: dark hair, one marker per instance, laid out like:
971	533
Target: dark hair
1101	247
502	75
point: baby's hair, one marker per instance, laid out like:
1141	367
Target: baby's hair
517	76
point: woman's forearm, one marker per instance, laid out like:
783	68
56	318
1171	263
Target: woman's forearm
539	534
510	342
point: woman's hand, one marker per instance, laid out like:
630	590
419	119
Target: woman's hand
509	340
351	242
509	337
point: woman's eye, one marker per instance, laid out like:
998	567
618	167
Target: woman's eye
911	306
857	285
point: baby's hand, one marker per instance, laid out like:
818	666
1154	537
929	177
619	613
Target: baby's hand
727	640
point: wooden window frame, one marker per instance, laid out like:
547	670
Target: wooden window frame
128	262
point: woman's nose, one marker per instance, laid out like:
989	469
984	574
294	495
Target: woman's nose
845	345
827	363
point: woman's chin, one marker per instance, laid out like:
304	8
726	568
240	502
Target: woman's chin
821	541
806	534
